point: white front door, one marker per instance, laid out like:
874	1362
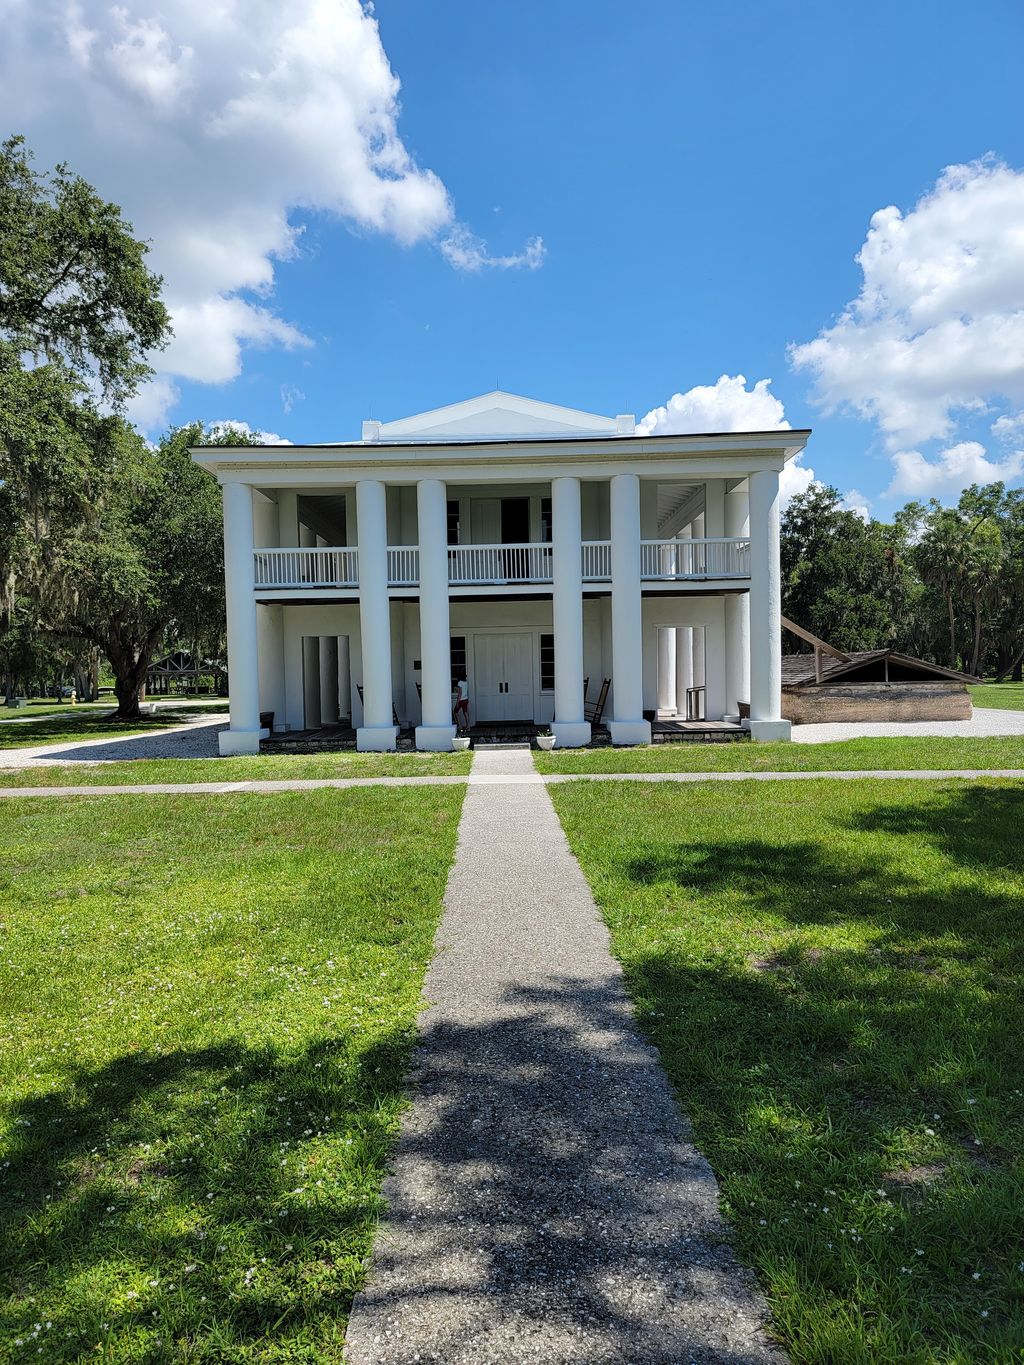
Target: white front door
503	677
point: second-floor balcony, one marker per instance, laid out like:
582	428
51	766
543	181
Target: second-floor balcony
484	566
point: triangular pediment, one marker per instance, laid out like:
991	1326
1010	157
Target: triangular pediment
498	416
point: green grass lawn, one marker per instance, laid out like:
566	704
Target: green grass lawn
1008	695
833	975
739	756
53	708
258	767
79	723
208	1008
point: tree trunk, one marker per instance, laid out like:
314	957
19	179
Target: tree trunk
977	638
130	663
952	631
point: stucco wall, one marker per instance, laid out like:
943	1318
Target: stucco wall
876	701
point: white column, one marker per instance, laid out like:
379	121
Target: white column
436	731
667	669
329	679
667	644
628	726
569	727
344	680
765	609
378	730
310	655
328	661
243	736
737	615
684	667
684	635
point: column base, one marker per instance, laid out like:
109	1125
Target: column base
435	739
571	734
376	739
771	729
233	742
630	731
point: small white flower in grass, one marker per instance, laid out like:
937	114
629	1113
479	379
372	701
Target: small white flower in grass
984	1312
976	1275
929	1132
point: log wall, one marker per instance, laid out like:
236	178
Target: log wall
874	701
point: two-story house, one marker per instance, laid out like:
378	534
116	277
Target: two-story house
532	549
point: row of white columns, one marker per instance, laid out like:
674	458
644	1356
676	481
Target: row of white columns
627	723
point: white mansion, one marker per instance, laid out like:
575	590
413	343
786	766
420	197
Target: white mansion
532	549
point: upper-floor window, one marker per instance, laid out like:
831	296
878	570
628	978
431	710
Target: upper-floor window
545	520
453	521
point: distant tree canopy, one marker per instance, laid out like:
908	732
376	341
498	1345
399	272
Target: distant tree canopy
74	287
945	583
106	543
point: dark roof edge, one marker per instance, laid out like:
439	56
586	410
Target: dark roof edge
504	441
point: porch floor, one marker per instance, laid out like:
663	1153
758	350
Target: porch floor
338	738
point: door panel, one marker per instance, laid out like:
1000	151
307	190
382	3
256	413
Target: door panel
488	677
503	677
486	520
518	677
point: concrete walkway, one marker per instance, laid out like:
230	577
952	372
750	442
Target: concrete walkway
984	722
482	779
192	738
546	1202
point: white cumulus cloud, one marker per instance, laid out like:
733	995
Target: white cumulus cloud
953	470
212	122
728	405
267	438
937	330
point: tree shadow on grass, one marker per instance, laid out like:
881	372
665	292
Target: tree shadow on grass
850	1020
151	1208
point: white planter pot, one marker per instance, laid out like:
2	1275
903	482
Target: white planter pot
460	743
546	742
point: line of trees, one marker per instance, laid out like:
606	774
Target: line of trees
108	545
943	583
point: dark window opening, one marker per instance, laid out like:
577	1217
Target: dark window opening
458	658
453	521
547	663
515	521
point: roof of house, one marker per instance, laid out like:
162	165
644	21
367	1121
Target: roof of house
798	670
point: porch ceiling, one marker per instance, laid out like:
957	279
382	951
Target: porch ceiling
672	497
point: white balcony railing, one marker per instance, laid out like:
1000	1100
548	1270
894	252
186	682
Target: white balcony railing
597	561
403	566
483	565
322	568
716	557
469	564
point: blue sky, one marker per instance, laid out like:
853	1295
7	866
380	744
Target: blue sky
702	178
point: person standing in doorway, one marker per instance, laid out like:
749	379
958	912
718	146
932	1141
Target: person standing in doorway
462	704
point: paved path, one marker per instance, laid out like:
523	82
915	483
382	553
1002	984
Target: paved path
194	738
985	721
546	1202
478	779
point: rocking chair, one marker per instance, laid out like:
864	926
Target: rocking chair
394	713
593	711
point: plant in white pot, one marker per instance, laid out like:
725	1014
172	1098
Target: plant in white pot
545	740
460	743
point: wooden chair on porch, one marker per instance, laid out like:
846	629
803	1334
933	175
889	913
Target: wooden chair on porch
593	711
394	713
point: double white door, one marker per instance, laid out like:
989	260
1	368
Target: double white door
503	677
